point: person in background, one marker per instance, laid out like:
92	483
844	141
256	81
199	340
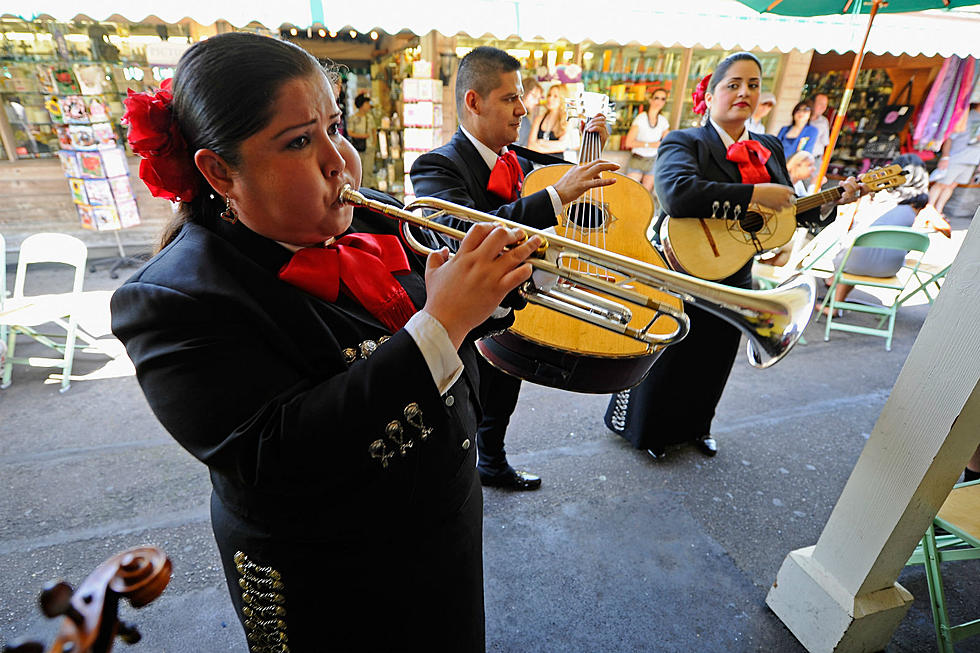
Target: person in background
476	169
958	160
766	102
341	95
719	162
532	102
801	167
291	343
549	130
364	134
819	120
895	207
800	135
900	206
648	129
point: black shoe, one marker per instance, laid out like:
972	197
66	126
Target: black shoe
707	445
512	479
657	454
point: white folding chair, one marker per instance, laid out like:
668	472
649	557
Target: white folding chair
3	296
23	314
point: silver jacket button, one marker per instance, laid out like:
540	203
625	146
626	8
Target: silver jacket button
450	400
466	444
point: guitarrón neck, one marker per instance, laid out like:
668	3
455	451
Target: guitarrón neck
591	148
804	204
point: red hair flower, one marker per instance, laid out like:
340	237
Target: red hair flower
166	168
700	106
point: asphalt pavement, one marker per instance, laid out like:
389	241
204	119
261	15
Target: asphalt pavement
615	553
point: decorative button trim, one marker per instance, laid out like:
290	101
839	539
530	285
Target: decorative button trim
620	411
450	400
397	439
264	599
363	350
413	415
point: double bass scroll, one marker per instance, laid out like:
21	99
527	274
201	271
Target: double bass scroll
90	614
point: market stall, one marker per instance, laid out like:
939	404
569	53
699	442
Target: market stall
625	53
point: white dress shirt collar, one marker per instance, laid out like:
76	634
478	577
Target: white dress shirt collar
725	138
489	156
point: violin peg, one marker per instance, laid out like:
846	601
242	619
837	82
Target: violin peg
128	633
23	646
55	600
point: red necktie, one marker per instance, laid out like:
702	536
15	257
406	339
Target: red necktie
506	178
362	265
751	157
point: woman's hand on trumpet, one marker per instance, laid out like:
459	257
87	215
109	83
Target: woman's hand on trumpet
463	290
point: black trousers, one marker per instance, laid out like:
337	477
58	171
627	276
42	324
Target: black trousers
498	397
676	402
416	585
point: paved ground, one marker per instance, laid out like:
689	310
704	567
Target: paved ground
615	553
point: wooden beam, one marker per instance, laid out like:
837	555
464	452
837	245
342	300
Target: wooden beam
679	88
7	134
840	595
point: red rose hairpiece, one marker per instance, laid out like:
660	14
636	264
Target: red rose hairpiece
700	106
166	168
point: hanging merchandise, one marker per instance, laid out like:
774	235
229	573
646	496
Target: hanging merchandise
967	80
946	100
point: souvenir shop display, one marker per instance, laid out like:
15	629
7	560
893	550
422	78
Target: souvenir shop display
421	116
98	179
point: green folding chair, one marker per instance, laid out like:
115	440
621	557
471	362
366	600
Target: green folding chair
927	274
903	238
960	518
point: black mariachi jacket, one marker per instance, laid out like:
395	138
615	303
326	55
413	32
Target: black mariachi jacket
301	409
692	173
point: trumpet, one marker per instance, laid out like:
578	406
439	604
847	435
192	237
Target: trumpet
772	320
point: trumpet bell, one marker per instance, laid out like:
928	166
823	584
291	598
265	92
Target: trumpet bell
769	343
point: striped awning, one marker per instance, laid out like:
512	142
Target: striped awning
706	23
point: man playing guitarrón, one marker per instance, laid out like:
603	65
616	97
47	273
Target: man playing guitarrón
477	170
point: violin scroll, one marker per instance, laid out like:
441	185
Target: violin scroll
91	622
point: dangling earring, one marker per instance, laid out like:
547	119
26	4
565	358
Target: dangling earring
229	215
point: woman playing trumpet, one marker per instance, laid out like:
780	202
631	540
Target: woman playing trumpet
321	372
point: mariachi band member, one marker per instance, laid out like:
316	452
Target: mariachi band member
719	163
479	170
320	371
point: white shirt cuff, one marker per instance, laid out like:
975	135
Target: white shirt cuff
437	349
555	200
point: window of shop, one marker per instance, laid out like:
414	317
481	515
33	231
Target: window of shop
62	84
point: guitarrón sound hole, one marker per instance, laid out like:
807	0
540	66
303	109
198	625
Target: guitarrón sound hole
751	222
586	215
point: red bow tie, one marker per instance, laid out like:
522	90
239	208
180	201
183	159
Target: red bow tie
751	157
506	178
361	264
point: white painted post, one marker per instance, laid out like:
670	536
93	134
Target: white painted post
840	595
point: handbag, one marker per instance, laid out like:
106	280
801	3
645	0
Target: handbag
894	116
